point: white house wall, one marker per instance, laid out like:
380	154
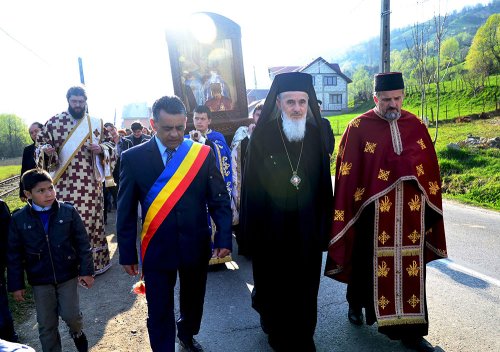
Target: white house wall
320	69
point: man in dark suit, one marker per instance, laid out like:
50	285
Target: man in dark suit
175	235
28	161
137	137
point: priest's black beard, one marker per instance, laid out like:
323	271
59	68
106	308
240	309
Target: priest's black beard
76	115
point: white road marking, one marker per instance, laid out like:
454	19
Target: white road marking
452	265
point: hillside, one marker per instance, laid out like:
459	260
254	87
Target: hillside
466	22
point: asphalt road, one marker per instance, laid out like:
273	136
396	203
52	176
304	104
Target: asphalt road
463	296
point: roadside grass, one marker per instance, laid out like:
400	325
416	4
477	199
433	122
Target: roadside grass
20	310
13	201
470	175
9	171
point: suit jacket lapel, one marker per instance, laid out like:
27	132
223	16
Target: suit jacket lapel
156	160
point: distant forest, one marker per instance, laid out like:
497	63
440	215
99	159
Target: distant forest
460	46
463	25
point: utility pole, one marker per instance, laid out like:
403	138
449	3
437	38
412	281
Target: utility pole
385	37
254	77
80	65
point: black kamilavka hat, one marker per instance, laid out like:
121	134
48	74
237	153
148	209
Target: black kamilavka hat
293	82
388	81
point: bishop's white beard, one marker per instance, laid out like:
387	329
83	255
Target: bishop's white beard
293	129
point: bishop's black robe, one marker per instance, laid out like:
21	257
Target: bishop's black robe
286	230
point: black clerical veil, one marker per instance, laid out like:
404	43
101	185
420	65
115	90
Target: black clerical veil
288	82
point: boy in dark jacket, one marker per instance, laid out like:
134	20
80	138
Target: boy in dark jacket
48	240
6	323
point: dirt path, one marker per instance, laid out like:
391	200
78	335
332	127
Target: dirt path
114	318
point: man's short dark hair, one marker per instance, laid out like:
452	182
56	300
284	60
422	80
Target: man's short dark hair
38	124
109	124
136	126
170	104
76	91
33	177
257	107
203	109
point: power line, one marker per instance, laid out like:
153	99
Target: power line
24	46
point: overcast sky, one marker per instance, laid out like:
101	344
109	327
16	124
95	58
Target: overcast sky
125	56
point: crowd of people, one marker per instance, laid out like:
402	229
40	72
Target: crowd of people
191	191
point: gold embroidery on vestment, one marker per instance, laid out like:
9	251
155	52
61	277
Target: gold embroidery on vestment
413	301
433	187
358	195
383	302
421	143
383	175
345	168
414	236
341	150
370	147
413	269
420	170
339	215
385	205
383	270
355	122
415	203
383	237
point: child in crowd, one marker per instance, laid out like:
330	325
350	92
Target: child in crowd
48	240
6	323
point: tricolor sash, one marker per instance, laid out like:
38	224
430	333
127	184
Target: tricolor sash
170	186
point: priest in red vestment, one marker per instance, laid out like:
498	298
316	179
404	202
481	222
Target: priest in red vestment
387	219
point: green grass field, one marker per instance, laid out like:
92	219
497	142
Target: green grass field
9	171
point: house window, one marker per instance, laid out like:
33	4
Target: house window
335	98
329	80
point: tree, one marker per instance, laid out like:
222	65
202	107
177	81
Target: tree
484	54
401	61
464	42
450	52
439	23
361	88
13	136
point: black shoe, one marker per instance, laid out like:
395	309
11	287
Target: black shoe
81	343
418	344
191	345
355	316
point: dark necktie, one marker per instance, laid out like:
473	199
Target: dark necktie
170	154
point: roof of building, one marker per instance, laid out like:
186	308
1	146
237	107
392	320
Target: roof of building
276	70
334	67
257	94
273	71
